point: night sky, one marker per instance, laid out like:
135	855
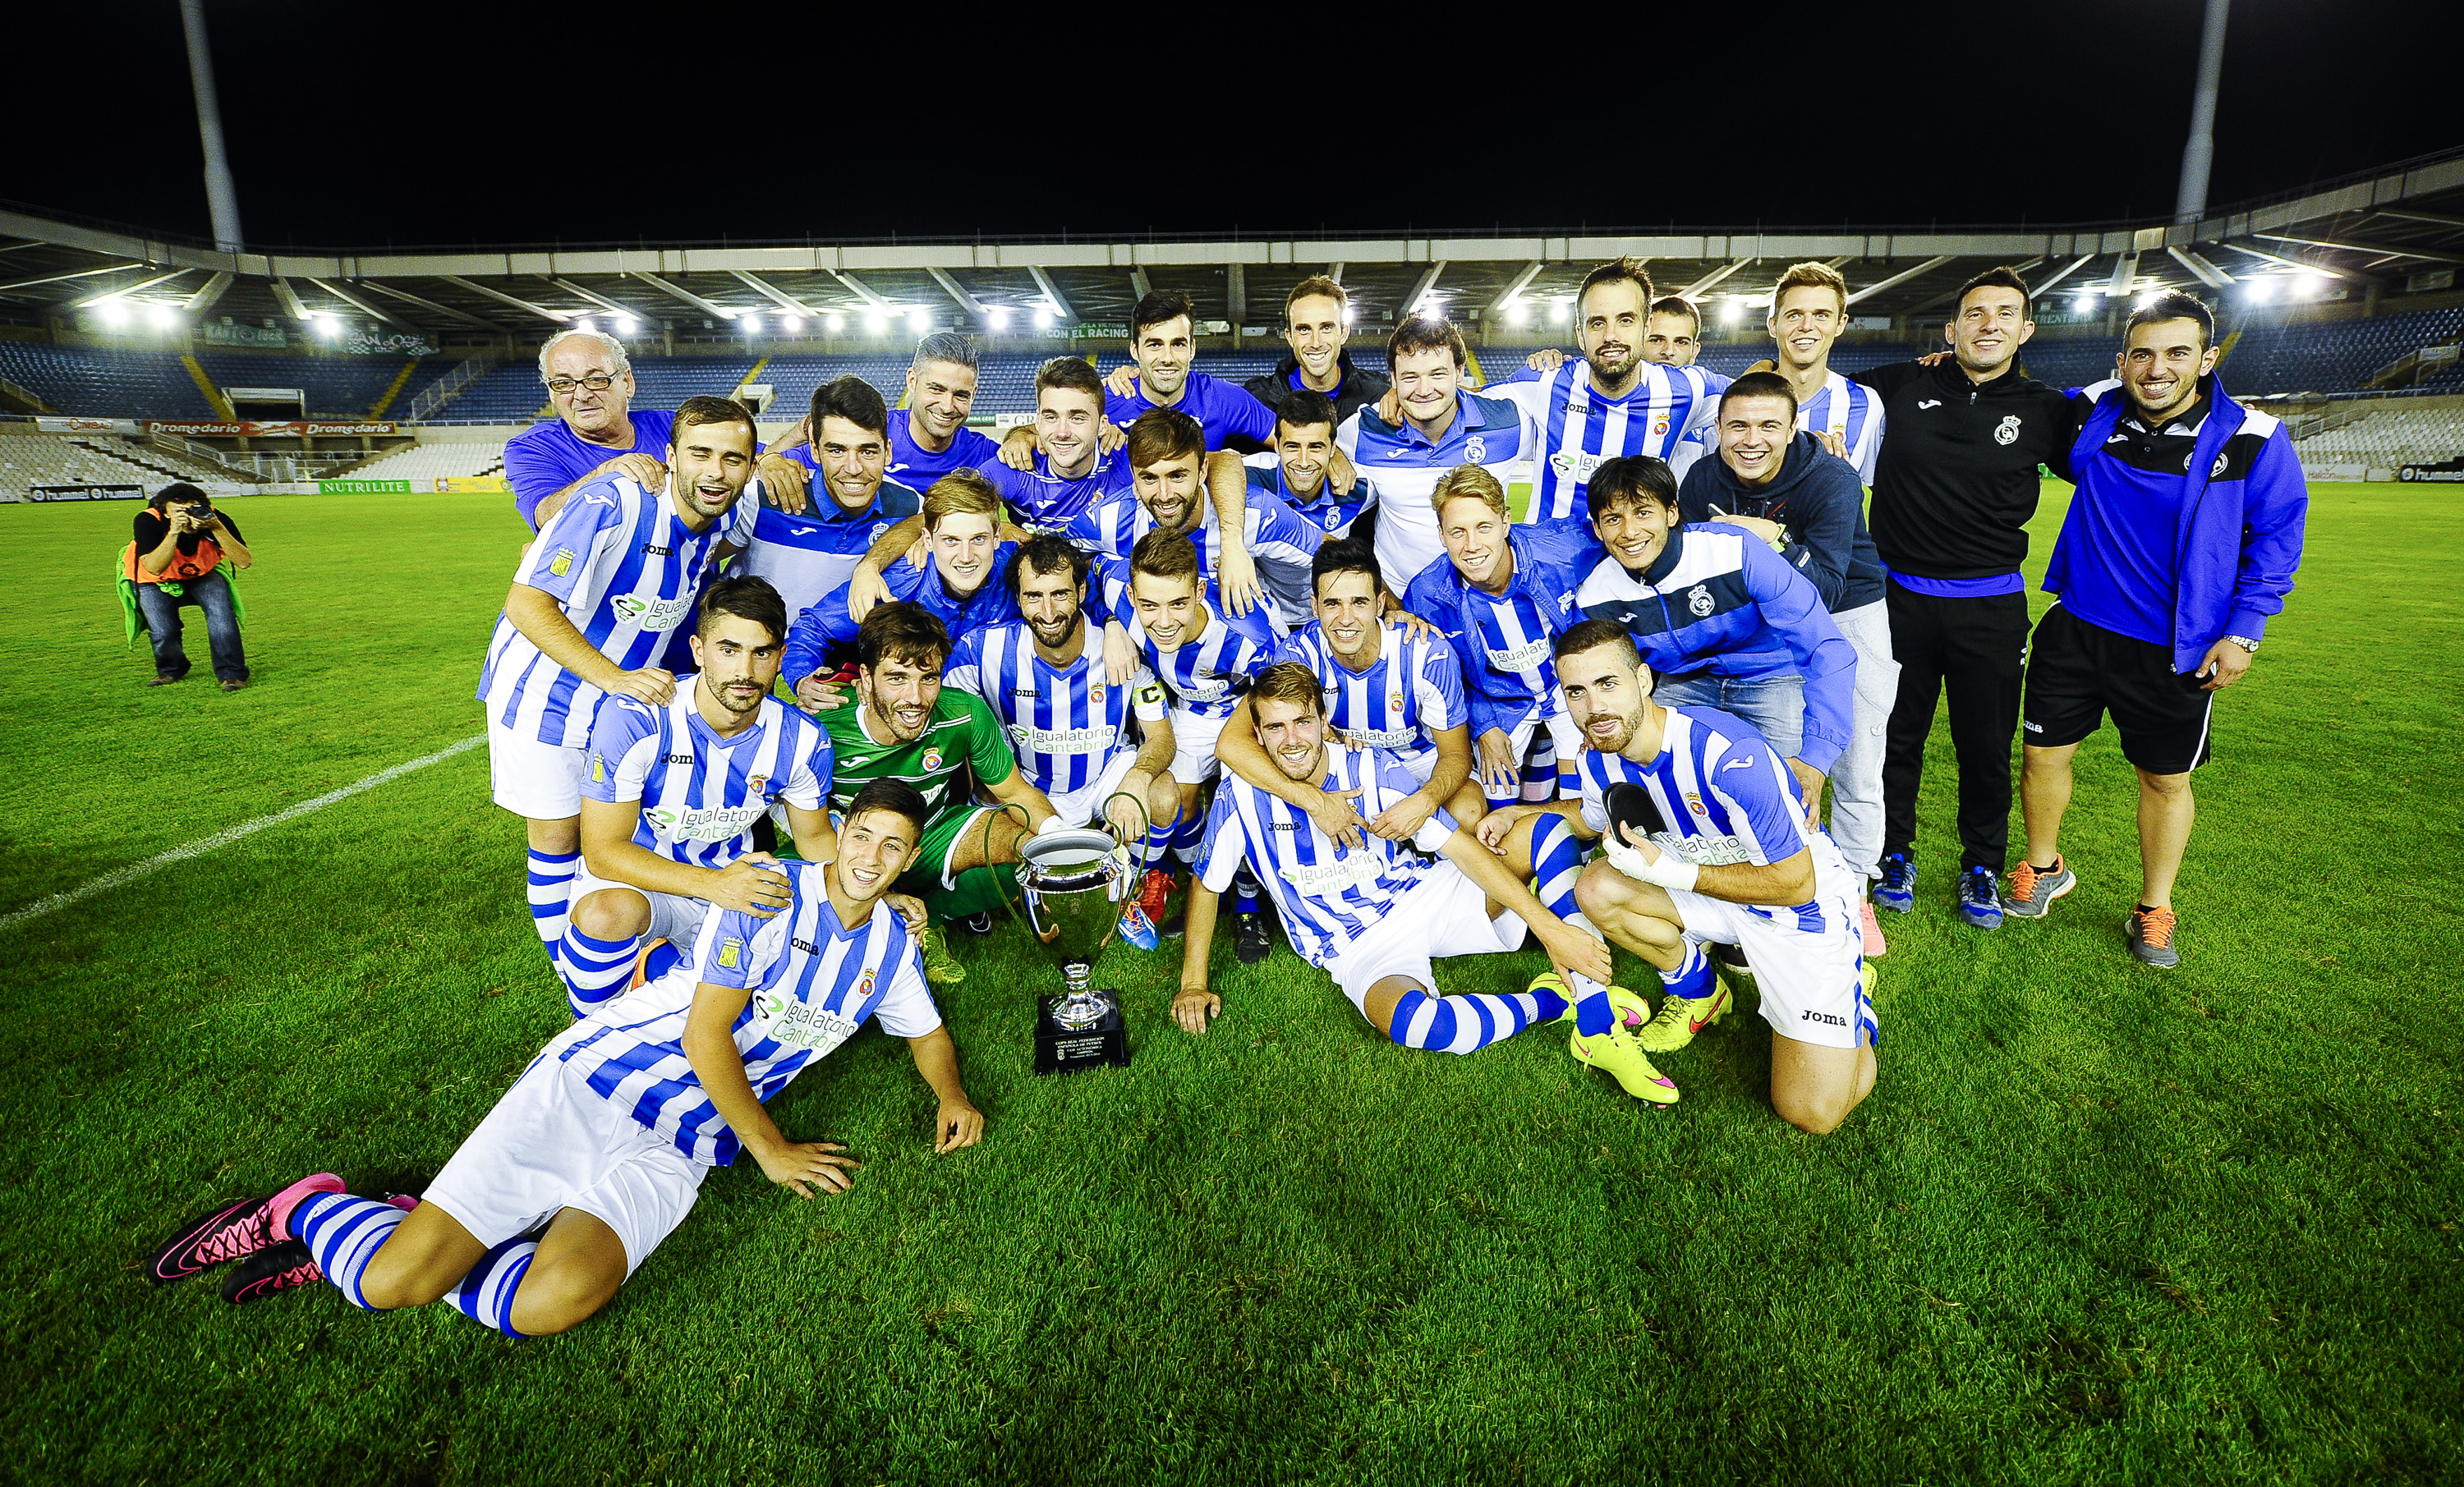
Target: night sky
452	124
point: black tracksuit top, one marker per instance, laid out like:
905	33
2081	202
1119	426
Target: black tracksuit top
1957	479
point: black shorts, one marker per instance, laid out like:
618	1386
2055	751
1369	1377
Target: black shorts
2078	672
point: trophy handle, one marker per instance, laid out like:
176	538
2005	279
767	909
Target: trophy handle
1125	888
985	851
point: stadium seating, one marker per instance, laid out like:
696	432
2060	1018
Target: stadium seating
2387	435
100	384
336	386
422	463
49	460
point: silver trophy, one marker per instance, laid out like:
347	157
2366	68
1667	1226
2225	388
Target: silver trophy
1075	886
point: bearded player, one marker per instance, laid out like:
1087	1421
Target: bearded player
1721	853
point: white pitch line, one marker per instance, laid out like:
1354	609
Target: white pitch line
198	848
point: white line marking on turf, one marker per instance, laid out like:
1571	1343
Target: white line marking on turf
198	848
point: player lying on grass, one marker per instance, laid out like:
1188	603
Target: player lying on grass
1375	916
1043	677
588	615
597	1152
670	795
947	744
1727	858
1386	686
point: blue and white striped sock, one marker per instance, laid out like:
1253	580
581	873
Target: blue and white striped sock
345	1232
1159	844
551	875
1187	837
1692	979
596	969
485	1294
1464	1025
1556	862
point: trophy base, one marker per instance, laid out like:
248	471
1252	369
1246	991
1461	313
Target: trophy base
1063	1050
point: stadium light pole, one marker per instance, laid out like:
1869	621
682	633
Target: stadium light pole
221	197
2200	152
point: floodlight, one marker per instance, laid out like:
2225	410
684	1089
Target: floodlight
624	325
1516	313
875	322
1730	311
919	323
998	316
2084	304
112	310
1044	320
584	324
751	321
793	322
162	316
1560	313
1349	315
2261	290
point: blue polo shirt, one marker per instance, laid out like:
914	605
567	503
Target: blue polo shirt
1045	500
1223	408
911	464
545	458
808	558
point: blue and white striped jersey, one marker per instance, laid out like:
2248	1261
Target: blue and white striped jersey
1726	796
627	571
1327	895
1206	677
1581	427
1489	432
1850	412
1277	536
813	982
700	794
810	556
1065	723
1410	693
1331	513
1505	644
1048	502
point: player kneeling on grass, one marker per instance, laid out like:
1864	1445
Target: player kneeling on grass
1376	915
669	795
597	1152
1042	676
1729	860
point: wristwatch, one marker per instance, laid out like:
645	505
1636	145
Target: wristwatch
2245	642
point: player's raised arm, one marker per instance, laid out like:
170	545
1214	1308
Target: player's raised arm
710	1047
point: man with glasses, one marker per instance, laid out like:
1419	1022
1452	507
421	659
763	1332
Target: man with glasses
595	433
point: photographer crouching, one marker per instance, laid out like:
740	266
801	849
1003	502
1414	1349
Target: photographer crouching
181	541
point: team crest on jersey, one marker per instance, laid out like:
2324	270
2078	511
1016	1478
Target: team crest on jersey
731	954
1660	427
864	985
1698	601
562	563
1476	449
2008	433
932	758
1395	701
1096	694
1694	803
2217	468
878	528
754	785
598	769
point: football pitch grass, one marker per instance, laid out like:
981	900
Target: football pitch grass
2097	1223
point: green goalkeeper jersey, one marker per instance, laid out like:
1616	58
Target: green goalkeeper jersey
962	732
